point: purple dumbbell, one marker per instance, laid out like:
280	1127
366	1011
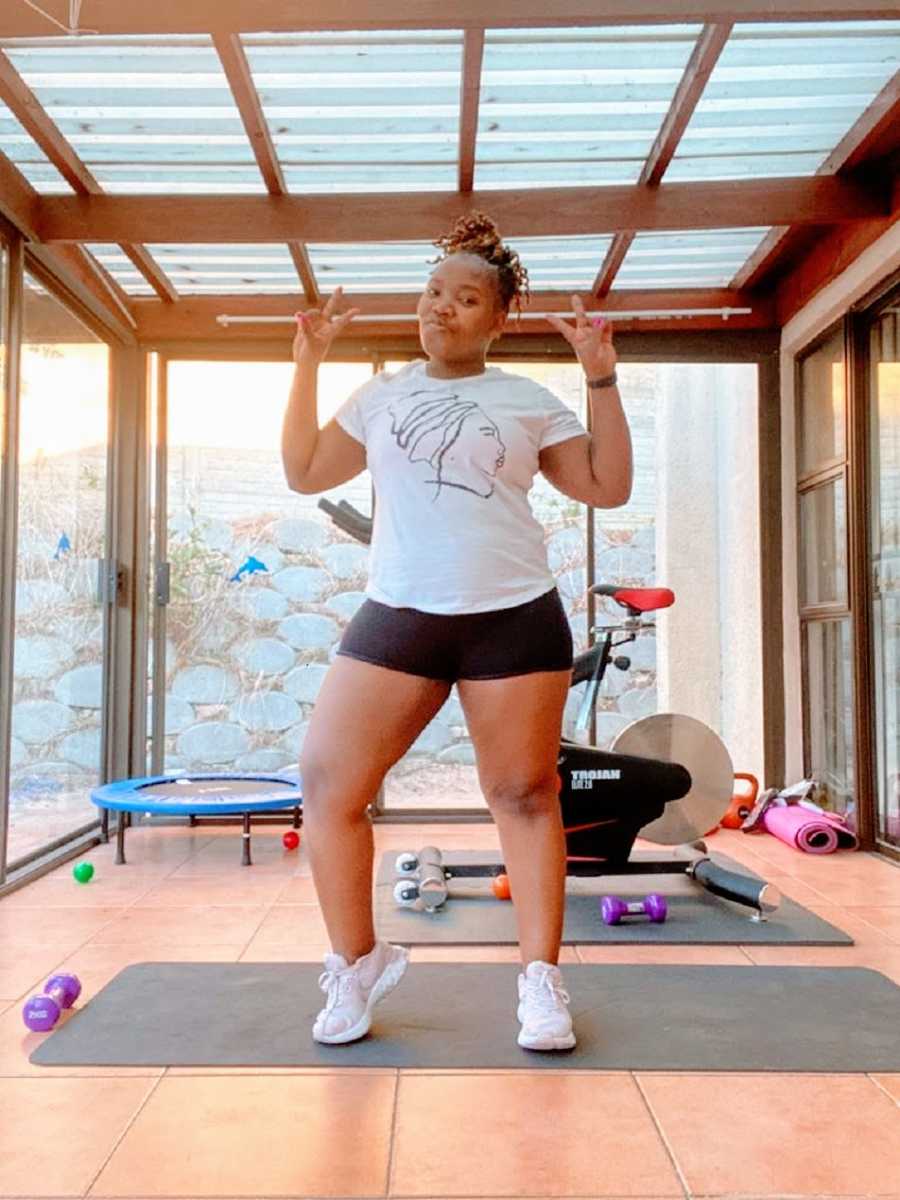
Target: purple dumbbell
612	909
42	1012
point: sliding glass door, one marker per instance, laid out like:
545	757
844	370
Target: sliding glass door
60	633
884	401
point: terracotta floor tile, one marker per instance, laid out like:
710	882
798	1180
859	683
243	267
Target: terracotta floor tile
196	924
890	1083
148	851
200	866
884	918
795	889
294	1135
885	959
726	956
105	890
77	1122
528	1135
287	923
863	932
297	951
299	889
219	891
24	968
861	893
53	926
796	1135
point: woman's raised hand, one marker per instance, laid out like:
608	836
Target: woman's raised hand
592	340
318	327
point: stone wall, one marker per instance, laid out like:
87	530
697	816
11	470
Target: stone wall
262	587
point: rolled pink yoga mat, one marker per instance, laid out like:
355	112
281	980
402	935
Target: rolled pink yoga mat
807	831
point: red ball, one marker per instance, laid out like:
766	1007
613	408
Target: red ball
500	885
291	840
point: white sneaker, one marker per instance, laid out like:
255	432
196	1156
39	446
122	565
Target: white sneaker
543	1009
353	991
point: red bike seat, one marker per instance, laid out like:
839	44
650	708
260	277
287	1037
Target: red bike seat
637	600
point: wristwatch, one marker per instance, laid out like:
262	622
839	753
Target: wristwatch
604	382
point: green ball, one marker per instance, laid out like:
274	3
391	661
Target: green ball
83	872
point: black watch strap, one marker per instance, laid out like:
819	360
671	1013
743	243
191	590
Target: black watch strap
603	382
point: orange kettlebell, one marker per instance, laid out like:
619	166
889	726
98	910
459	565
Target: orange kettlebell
742	800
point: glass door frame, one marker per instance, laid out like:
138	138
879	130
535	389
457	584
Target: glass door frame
859	322
113	571
11	295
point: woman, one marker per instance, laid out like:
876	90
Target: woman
459	592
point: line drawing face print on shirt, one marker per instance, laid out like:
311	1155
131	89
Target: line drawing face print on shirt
455	437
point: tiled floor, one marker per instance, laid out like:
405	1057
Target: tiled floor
191	1133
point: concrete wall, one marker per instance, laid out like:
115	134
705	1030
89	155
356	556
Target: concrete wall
710	650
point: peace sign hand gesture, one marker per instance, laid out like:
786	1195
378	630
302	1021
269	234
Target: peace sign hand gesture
318	327
590	339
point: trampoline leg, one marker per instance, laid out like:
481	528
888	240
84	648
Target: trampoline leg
120	841
192	820
297	817
104	826
245	840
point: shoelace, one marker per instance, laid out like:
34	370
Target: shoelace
335	985
546	992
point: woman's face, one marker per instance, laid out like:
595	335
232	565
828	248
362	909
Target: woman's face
459	311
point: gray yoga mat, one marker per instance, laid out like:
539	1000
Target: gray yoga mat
653	1018
472	916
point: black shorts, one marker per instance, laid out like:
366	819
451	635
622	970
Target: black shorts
487	645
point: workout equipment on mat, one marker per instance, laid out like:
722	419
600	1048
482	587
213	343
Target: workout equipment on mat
41	1012
210	794
746	789
668	778
613	908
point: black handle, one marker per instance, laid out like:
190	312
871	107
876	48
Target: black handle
350	519
742	889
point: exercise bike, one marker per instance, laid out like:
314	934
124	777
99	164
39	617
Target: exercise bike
668	778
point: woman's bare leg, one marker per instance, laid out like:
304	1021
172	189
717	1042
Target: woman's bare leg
366	717
515	725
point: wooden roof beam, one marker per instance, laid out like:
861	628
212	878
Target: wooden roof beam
703	58
831	254
274	16
197	316
220	220
875	135
237	71
82	276
243	89
19	202
470	96
27	109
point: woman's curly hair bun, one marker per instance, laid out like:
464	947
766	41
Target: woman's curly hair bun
477	234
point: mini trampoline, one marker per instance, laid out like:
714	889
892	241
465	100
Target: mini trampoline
199	795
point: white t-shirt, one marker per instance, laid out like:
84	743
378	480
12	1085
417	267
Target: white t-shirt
453	461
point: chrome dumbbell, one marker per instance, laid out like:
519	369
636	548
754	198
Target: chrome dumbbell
422	879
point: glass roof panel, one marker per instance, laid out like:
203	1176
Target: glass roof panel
23	151
361	112
144	115
710	258
782	96
552	263
574	107
198	270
